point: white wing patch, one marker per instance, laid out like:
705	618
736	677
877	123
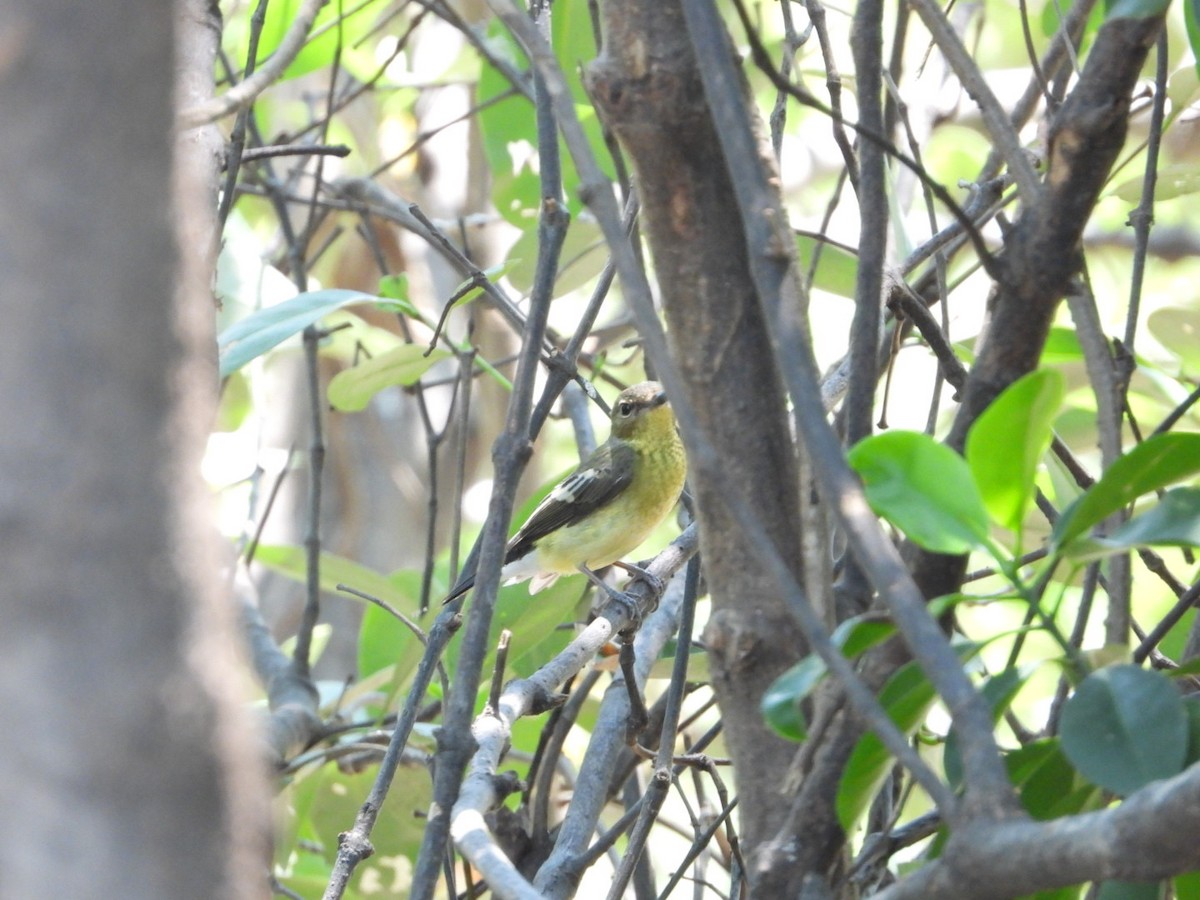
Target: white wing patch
563	493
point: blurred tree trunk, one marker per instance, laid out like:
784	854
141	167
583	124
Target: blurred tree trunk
124	769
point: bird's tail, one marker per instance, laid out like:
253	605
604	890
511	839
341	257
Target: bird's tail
464	584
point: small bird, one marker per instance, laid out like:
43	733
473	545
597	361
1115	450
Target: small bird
606	507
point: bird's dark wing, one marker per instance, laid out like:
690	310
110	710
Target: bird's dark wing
594	484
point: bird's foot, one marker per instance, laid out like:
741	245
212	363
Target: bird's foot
630	605
637	573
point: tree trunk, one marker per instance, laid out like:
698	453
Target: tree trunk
124	771
647	83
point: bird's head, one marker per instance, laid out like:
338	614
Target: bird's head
640	406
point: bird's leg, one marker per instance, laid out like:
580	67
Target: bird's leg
639	717
630	605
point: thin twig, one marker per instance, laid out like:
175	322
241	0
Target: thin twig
242	95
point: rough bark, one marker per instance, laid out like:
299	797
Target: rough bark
647	83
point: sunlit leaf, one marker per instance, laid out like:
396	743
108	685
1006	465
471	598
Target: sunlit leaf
337	27
383	640
352	389
1062	346
1008	441
290	561
1172	182
923	488
267	328
837	266
1178	329
583	256
395	288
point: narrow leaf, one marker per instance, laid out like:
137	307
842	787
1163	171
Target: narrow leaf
1153	464
1134	9
267	328
289	560
1175	521
907	697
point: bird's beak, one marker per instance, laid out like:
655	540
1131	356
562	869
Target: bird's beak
658	399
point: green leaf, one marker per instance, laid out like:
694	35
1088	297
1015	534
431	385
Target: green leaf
1132	890
1191	705
907	697
289	560
535	624
1008	441
1178	329
1155	463
1062	346
395	288
999	691
1174	521
1051	21
781	701
1173	181
1187	887
508	132
1124	728
357	20
583	255
351	390
1134	9
1191	19
1049	786
923	488
266	328
383	640
336	798
837	265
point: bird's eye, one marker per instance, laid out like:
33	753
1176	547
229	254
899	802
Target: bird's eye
626	408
